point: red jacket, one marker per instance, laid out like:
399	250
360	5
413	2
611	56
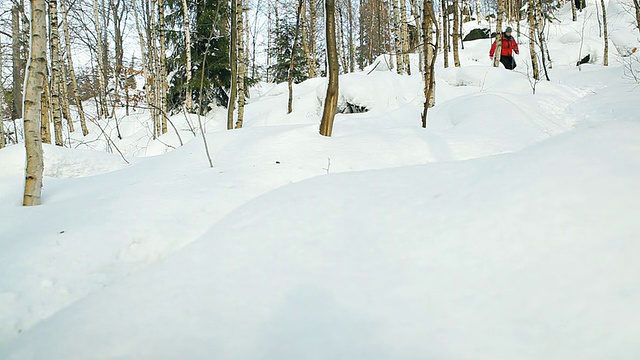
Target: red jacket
508	45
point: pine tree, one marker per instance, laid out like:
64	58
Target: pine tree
283	39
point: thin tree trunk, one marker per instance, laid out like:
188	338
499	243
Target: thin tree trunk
430	51
396	37
233	61
606	36
574	15
293	52
163	69
636	5
498	53
312	38
456	33
478	13
72	73
241	63
101	66
55	72
532	44
352	50
405	37
304	37
45	114
17	62
445	33
34	85
187	45
331	98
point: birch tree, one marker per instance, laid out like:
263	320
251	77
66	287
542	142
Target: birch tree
34	85
605	33
532	45
293	56
404	33
70	67
331	98
456	33
241	69
430	48
496	56
56	73
17	62
233	61
187	40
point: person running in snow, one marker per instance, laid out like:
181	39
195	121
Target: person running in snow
509	45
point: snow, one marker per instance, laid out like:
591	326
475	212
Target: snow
506	229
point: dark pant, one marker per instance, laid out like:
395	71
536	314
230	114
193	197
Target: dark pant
508	61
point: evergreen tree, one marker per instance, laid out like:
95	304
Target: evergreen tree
283	37
209	24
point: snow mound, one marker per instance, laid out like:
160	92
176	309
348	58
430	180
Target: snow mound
61	162
528	255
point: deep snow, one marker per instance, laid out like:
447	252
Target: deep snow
506	229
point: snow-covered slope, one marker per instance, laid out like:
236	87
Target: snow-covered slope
506	229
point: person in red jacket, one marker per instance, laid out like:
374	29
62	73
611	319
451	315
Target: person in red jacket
509	45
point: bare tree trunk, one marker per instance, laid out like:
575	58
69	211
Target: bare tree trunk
233	61
430	49
18	63
45	114
304	37
405	37
352	50
34	85
445	33
72	73
532	44
187	45
478	13
241	63
293	52
312	38
163	69
636	5
396	37
456	33
606	36
574	15
56	75
331	98
498	53
101	66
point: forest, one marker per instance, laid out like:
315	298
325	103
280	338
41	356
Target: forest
304	179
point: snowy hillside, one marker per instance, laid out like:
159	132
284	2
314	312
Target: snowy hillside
505	230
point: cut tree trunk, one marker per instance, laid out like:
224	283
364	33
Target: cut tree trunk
331	98
34	85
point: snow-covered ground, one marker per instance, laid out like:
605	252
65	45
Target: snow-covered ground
505	230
